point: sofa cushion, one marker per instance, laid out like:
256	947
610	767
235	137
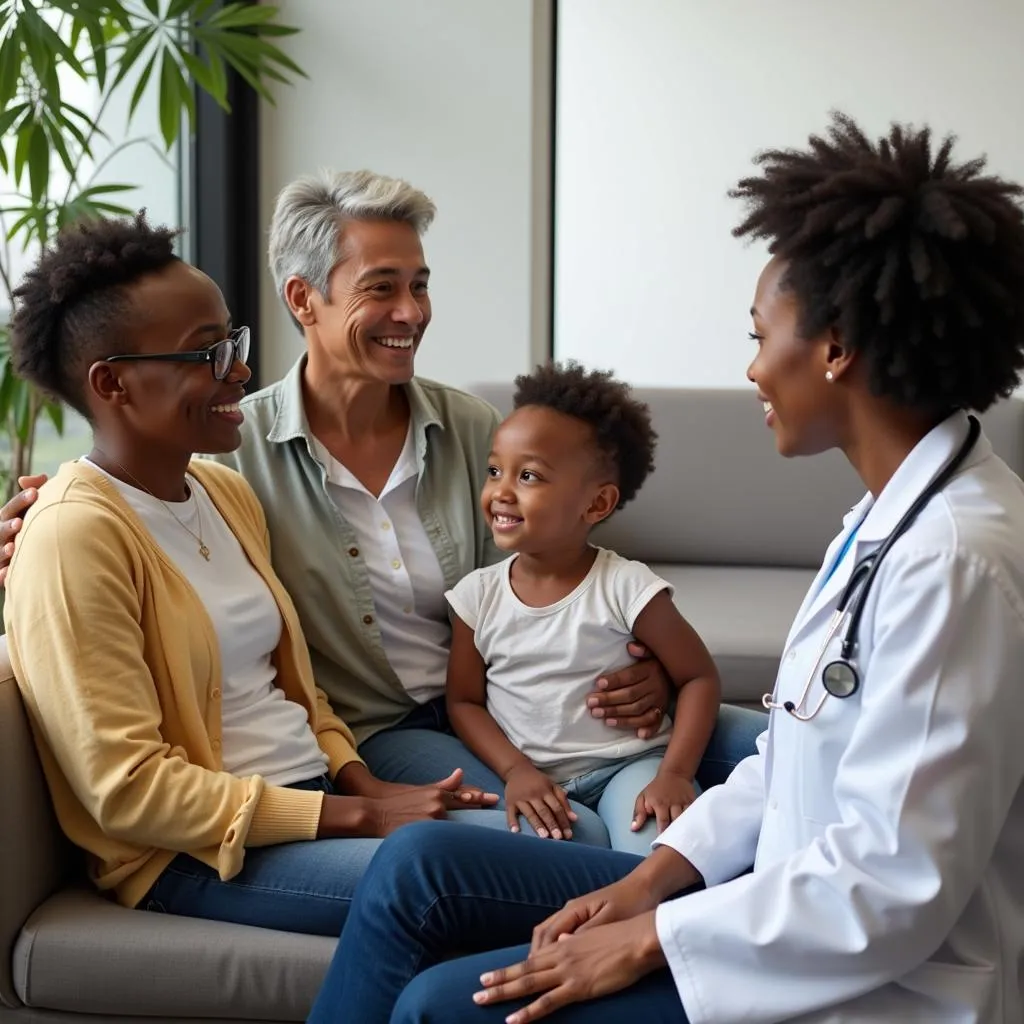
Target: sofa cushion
35	858
743	615
81	952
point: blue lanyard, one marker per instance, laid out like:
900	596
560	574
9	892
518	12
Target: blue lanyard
842	554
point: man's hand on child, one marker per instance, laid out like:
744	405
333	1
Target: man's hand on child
529	792
664	799
636	697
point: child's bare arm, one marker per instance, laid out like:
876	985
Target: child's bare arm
466	697
675	643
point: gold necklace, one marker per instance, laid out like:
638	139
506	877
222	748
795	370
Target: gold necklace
197	537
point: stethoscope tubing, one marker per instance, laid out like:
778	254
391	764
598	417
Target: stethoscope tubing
853	599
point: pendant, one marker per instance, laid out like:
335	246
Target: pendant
204	551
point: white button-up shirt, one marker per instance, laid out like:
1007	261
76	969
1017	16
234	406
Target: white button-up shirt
404	573
887	833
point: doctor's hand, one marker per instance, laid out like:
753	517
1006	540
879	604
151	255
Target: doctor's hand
529	792
11	518
620	901
666	797
636	697
604	960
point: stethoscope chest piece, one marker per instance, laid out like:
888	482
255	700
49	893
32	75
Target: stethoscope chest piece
840	679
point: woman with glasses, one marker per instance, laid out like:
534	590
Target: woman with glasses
167	680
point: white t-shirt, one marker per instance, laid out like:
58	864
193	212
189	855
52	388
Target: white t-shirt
263	733
405	576
542	662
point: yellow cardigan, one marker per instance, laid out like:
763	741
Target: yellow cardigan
119	667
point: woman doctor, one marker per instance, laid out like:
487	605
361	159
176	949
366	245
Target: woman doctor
866	863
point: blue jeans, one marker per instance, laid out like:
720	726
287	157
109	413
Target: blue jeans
294	887
436	890
422	748
612	791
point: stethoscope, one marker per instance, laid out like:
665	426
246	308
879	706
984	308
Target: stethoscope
840	678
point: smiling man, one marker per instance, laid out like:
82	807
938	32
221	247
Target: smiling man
370	477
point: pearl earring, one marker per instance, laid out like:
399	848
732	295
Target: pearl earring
829	376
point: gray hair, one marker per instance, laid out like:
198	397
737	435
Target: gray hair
311	212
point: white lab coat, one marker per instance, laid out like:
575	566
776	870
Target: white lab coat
887	835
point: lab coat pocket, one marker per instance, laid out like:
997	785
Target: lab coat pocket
956	989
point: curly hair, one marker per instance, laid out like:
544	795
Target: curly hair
622	425
916	260
72	306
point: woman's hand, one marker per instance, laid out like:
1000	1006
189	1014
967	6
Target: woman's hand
11	518
636	697
529	792
606	959
355	779
374	817
664	798
662	874
621	901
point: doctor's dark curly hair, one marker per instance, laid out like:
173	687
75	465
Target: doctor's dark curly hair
917	261
622	425
72	307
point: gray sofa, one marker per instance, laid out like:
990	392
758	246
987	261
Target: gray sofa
736	529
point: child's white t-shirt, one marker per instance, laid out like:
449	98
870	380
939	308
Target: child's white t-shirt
543	662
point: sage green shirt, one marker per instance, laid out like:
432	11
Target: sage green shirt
316	553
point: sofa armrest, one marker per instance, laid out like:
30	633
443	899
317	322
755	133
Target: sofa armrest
34	855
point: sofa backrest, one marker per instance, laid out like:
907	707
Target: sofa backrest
34	855
721	495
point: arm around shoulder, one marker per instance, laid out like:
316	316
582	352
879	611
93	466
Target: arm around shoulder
78	645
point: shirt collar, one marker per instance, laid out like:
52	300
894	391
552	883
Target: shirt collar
290	422
924	463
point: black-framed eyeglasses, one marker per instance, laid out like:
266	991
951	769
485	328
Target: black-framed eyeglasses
221	356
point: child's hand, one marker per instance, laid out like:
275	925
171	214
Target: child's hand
665	798
529	792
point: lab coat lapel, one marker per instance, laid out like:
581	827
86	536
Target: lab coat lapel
880	517
824	594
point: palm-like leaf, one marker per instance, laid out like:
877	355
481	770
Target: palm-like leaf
168	48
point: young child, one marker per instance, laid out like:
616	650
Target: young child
531	634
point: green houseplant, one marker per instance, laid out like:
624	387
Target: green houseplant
53	153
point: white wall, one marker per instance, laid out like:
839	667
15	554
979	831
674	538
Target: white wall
662	103
442	93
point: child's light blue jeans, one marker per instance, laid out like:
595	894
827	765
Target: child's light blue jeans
611	791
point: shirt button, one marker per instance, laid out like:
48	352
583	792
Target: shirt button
791	656
407	610
367	620
385	525
396	564
215	744
215	693
353	552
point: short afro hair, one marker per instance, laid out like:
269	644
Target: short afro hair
916	260
71	307
622	425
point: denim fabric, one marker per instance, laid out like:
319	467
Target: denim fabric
294	887
611	790
422	749
434	891
444	994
